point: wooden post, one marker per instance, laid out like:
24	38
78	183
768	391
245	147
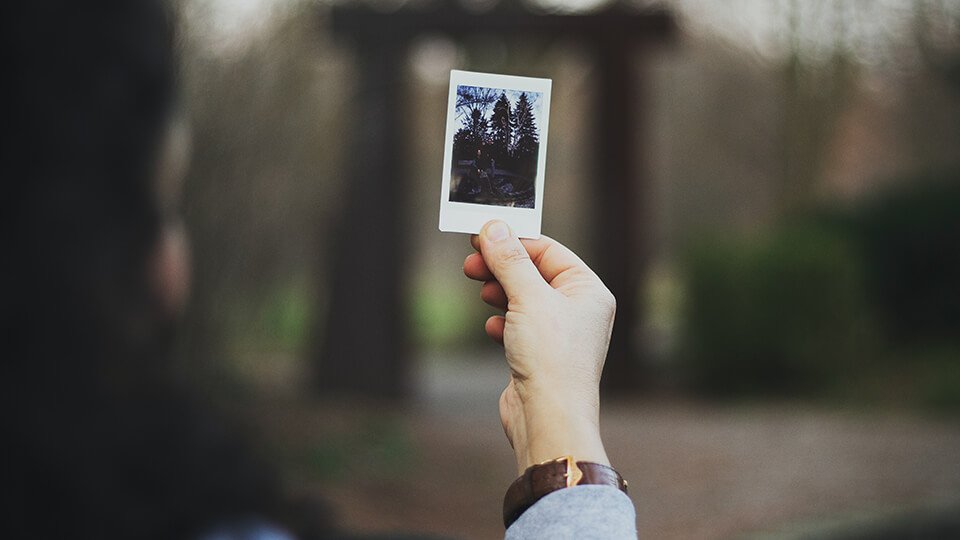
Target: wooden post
619	262
365	350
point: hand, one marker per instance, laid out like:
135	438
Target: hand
555	333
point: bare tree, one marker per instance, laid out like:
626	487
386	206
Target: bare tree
475	98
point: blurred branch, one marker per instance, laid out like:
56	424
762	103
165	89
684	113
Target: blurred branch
815	96
938	45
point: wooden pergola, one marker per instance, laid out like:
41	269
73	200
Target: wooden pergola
365	347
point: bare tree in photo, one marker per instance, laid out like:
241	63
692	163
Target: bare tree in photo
471	99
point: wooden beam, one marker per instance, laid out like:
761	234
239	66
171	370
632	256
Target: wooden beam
364	23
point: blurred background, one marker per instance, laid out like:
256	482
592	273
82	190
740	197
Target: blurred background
770	187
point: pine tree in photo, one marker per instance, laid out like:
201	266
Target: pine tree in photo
477	126
525	135
463	144
472	134
501	130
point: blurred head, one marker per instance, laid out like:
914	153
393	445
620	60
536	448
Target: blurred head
107	441
91	95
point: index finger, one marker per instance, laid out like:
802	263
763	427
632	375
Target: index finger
553	258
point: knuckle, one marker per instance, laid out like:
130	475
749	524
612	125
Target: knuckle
607	300
505	400
513	256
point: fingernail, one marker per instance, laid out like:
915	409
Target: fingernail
498	231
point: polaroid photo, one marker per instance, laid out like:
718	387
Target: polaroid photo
495	152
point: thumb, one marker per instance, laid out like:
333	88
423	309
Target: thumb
509	261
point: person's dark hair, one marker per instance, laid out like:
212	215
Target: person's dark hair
103	441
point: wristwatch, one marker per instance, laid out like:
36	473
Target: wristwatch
549	476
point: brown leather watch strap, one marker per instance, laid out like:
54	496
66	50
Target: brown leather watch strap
539	480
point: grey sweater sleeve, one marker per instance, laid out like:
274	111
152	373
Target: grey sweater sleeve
581	513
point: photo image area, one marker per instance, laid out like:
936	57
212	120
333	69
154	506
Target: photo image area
496	147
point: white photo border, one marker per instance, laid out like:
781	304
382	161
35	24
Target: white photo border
469	217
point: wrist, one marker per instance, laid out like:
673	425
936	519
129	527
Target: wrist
555	429
545	478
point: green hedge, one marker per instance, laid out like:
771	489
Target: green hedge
779	315
909	238
834	299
